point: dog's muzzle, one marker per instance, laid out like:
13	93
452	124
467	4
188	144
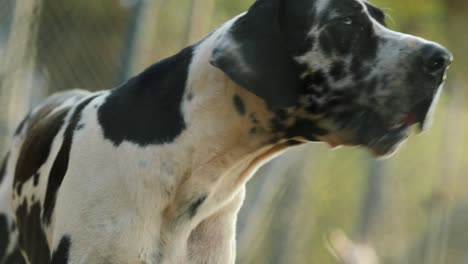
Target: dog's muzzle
430	68
428	75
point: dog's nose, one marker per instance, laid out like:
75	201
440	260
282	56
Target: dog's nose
435	58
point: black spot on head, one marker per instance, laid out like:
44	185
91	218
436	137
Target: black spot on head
253	130
3	167
337	70
32	239
239	104
4	235
316	78
316	84
305	46
61	254
79	127
193	208
146	109
60	165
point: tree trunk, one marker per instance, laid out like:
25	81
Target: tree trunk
17	66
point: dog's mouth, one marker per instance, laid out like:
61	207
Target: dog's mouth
382	132
365	127
418	115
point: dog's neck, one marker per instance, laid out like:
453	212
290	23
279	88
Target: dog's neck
222	114
233	126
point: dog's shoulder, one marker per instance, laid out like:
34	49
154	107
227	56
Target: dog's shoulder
146	110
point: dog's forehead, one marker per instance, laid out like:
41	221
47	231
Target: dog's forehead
334	6
344	23
326	9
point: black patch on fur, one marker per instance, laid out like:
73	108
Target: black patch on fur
3	167
195	205
376	13
147	109
36	179
4	235
340	7
60	166
278	120
189	96
305	46
337	70
264	63
300	127
15	258
326	43
61	254
349	32
370	87
294	142
253	118
306	129
316	78
281	114
32	239
37	144
296	20
239	104
21	125
316	84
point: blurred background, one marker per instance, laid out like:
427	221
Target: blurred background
312	205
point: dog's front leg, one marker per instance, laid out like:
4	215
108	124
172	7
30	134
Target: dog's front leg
213	240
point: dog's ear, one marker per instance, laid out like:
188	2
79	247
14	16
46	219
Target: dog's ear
253	53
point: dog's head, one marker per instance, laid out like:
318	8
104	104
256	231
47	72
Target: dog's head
332	71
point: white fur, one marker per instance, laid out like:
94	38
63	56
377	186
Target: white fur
120	204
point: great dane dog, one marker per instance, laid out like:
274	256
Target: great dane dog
154	171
